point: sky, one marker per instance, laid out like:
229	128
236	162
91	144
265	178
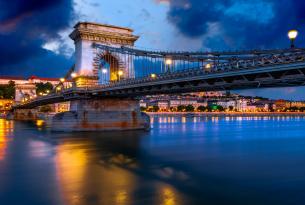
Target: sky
34	34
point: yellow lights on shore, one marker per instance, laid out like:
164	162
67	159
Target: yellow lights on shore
168	61
73	75
120	72
62	80
292	35
58	88
153	75
47	91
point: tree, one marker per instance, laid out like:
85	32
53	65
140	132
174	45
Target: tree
155	108
220	108
189	108
201	108
43	87
8	91
231	108
143	109
173	109
181	108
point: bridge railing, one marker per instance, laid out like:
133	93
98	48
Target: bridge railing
216	68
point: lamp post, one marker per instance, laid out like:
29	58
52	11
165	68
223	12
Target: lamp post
153	76
120	73
168	63
104	71
73	75
292	35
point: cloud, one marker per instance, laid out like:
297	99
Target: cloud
26	27
245	24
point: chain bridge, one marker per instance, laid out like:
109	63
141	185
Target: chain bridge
109	67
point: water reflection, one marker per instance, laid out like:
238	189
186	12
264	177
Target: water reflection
6	129
182	160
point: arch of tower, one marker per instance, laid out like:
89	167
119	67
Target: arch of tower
89	60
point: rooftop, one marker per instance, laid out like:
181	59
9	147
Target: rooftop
104	25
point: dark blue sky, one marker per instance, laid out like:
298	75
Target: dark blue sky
34	33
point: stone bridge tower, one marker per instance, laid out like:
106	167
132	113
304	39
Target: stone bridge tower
25	91
88	59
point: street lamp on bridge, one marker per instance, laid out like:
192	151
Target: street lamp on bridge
104	72
73	75
168	63
292	35
153	76
120	73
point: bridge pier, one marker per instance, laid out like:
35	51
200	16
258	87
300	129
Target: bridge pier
23	115
101	115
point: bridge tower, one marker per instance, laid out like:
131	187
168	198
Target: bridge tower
88	60
25	91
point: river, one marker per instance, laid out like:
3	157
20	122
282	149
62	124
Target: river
181	160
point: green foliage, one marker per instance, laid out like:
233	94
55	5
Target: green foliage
173	109
189	108
181	108
43	87
201	108
7	91
153	109
220	108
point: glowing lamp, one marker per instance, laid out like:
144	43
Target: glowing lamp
73	75
168	61
104	70
292	34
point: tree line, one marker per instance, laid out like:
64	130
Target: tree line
187	108
8	91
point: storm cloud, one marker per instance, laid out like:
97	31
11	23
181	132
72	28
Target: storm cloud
25	26
238	24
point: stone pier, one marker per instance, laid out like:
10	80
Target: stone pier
23	115
101	115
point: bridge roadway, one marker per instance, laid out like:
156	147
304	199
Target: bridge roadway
290	72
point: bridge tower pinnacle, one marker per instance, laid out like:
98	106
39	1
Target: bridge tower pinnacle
84	35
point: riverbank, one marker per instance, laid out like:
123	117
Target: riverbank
229	113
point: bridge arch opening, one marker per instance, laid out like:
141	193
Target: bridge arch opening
108	68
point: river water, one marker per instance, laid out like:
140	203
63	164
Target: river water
182	160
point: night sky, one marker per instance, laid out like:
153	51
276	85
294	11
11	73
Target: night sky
34	33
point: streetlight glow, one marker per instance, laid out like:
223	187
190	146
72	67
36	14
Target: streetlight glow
168	61
208	66
73	75
153	75
104	70
120	73
292	35
62	80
